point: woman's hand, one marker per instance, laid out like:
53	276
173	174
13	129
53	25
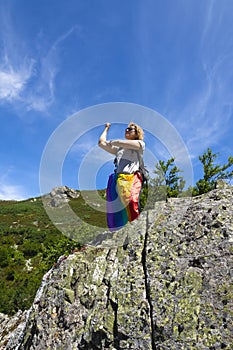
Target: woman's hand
103	143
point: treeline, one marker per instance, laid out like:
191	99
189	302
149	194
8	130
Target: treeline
168	181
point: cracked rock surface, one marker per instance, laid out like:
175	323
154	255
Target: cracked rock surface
168	285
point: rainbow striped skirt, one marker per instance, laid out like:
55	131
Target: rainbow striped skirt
123	192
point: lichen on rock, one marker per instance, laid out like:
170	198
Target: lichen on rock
168	285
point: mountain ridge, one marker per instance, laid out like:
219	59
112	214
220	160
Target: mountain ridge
163	282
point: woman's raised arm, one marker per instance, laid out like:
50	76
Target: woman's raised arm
103	143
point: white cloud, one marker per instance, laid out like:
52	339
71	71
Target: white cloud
13	82
8	189
27	75
11	192
43	94
205	119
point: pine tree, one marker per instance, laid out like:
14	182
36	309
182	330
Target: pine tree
167	182
212	172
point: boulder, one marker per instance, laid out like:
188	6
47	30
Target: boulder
61	195
165	282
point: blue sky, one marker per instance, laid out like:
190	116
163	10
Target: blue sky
60	57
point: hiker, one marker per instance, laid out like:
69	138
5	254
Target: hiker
125	184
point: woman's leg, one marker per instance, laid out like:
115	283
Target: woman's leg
116	211
133	207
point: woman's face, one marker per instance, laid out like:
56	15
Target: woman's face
130	133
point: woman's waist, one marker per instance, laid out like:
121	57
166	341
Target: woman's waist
127	169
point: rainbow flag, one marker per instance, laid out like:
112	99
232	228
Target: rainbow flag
123	192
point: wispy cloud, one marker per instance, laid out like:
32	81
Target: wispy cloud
196	93
11	187
27	75
205	119
13	80
43	95
11	192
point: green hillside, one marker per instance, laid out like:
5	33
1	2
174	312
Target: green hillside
30	244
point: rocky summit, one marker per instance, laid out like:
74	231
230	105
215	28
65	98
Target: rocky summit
163	282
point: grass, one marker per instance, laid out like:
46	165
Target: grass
30	244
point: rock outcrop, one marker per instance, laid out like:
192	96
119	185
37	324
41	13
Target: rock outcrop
61	195
168	285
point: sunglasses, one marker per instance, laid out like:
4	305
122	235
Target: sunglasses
130	129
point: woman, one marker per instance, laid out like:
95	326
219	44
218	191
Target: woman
125	184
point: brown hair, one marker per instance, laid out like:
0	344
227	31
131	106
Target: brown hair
139	131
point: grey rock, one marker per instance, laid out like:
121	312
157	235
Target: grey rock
61	195
167	286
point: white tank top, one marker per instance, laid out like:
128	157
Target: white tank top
127	160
